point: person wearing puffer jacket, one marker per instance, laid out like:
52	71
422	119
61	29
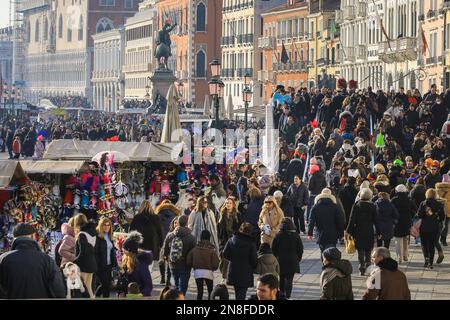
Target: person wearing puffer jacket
67	247
267	263
387	218
166	212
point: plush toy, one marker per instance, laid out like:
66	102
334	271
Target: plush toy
75	287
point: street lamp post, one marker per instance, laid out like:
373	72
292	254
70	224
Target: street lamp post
216	88
13	95
247	97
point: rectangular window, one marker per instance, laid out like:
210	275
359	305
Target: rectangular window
128	4
109	3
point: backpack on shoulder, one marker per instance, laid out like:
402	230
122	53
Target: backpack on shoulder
176	250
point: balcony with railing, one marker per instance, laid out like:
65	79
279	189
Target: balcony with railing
432	60
32	4
320	62
349	13
349	54
267	43
227	73
399	50
227	41
241	72
248	38
362	52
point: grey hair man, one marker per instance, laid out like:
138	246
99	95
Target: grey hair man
386	282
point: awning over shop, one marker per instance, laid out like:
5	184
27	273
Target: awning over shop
85	150
10	170
52	167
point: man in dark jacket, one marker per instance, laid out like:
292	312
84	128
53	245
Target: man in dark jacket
336	277
316	183
329	220
348	195
9	142
298	195
386	282
179	269
432	178
28	273
295	167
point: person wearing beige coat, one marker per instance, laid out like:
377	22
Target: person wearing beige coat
270	220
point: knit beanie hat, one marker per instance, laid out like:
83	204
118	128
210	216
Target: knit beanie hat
133	241
332	254
23	229
401	188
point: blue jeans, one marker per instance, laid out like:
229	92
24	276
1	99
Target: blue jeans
181	280
310	205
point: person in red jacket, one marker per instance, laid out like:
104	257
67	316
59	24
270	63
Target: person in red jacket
17	147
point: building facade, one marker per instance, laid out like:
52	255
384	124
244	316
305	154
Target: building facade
360	38
107	77
323	45
58	49
139	62
446	6
195	43
284	24
431	21
6	55
241	54
400	52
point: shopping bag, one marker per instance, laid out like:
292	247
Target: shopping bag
350	246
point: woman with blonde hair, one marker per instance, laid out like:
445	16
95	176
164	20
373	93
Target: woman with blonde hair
147	223
135	264
105	253
85	234
431	211
203	218
229	223
270	220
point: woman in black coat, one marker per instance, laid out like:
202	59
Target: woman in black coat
417	194
406	211
251	214
85	257
105	253
361	227
240	250
287	246
147	223
387	217
348	195
431	211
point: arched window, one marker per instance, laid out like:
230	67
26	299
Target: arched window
69	29
413	80
390	81
45	29
52	32
80	28
401	80
104	24
201	17
200	64
37	31
60	27
28	32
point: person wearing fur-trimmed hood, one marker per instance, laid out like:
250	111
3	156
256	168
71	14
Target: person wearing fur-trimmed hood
328	217
336	277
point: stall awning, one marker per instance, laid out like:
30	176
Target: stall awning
52	167
85	150
10	170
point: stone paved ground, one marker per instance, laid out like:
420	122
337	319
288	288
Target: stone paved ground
424	284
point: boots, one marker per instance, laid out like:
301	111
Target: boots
440	257
162	271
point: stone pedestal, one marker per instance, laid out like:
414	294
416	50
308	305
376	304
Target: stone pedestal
161	81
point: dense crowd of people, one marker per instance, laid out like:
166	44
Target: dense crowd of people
70	101
357	167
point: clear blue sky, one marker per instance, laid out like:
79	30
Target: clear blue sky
4	13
